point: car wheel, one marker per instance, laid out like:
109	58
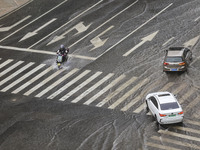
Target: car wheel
147	108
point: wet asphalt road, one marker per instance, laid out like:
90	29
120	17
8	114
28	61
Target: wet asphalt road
105	108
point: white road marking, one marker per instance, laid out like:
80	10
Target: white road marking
180	88
136	30
144	40
22	78
11	68
197	18
69	84
187	129
67	23
167	140
192	122
192	104
33	21
43	82
117	91
158	146
191	42
179	135
79	27
167	86
32	80
4	29
126	95
57	82
168	41
113	83
5	63
16	73
97	42
31	34
16	9
80	86
103	24
186	95
45	52
92	88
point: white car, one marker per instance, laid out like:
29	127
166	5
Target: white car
164	107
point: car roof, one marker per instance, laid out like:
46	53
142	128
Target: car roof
164	97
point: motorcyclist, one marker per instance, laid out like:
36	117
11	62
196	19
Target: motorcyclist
63	51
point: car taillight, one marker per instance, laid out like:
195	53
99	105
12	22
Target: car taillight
165	63
180	113
162	115
181	64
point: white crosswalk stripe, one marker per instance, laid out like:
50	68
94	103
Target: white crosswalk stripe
180	88
69	84
11	68
111	95
186	95
188	137
22	78
5	63
32	80
44	82
92	88
16	73
176	142
80	86
113	83
192	104
126	95
57	82
161	146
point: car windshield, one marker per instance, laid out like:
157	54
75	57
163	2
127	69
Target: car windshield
174	59
167	106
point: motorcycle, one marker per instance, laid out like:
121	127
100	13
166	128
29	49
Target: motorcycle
61	58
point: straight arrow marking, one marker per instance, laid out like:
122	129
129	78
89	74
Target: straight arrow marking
79	27
191	42
144	40
3	29
30	34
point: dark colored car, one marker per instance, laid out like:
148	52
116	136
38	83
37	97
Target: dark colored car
177	59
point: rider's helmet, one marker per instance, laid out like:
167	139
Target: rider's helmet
62	47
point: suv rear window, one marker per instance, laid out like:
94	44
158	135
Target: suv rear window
167	106
174	59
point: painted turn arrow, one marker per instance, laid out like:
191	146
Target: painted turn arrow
30	34
191	42
144	40
80	27
4	29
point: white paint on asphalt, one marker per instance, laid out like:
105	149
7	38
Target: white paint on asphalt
92	88
197	18
45	52
22	78
66	23
32	80
168	41
16	73
31	34
5	63
144	40
69	84
80	86
136	30
57	82
113	83
191	42
117	91
33	20
4	29
42	83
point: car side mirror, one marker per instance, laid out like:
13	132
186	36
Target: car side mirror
175	95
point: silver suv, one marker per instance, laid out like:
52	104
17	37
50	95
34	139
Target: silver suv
177	59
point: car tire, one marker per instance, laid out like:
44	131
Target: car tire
147	108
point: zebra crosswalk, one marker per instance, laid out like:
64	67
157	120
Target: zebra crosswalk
98	89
